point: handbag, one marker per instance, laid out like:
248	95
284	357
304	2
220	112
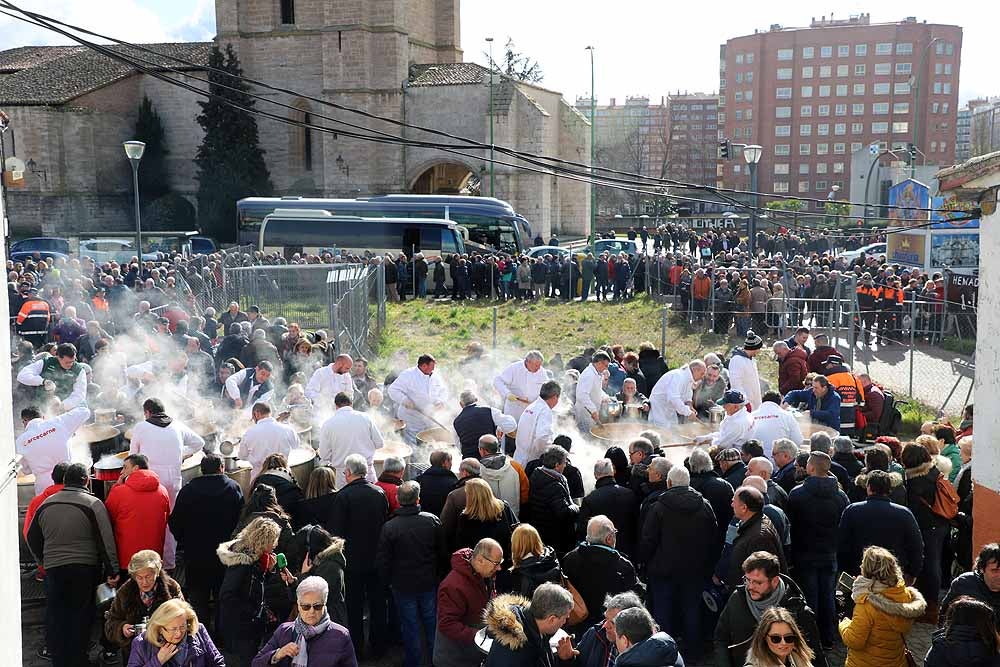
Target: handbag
579	613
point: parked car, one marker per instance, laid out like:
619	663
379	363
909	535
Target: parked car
543	250
615	246
873	249
113	250
48	247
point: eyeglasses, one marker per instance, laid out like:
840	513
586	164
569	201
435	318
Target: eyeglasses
495	563
315	607
778	639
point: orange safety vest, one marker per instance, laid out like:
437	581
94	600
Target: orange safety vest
851	392
33	307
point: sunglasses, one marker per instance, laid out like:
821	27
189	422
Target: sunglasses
315	607
778	639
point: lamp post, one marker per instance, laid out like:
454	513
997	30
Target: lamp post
489	40
134	151
752	155
593	124
915	84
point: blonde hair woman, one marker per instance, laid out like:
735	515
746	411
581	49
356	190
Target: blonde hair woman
321	493
174	635
485	515
884	611
778	642
933	447
534	563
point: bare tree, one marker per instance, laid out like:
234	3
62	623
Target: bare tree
516	65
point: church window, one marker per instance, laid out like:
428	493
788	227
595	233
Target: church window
287	12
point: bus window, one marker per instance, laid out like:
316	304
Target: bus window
450	243
411	240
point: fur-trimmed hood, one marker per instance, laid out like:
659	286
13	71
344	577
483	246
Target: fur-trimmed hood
230	558
506	618
334	551
920	471
861	481
900	601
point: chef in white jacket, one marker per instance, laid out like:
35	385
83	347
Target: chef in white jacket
736	427
673	394
535	429
166	442
267	436
348	432
418	392
328	381
518	384
45	442
743	376
590	392
149	374
772	422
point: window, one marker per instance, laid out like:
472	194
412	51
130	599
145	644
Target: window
803	186
859	70
808	52
722	118
804	169
881	88
840	110
947	68
780	167
838	167
823	110
933	147
822	149
782	130
738	96
782	149
861	50
804	91
782	112
748	114
739	77
859	89
883	49
821	169
781	186
841	90
820	185
947	88
826	52
784	73
805	149
840	129
938	68
880	108
943	146
842	70
939	48
904	48
737	133
880	128
739	58
901	127
806	110
824	91
855	146
739	114
749	78
839	149
935	107
843	51
783	93
737	168
749	59
904	68
288	12
857	128
944	107
857	109
937	87
785	54
807	72
825	71
805	129
901	107
823	129
883	68
901	88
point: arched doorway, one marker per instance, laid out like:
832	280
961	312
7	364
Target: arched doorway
446	178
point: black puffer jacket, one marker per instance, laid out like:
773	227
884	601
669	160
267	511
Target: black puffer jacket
921	489
247	608
289	493
358	516
435	485
755	534
619	504
814	508
551	509
719	494
653	367
411	551
598	571
973	585
962	647
534	571
680	516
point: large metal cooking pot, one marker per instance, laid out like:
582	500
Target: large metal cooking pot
610	410
107	470
104	416
716	414
101	439
241	471
302	461
392	448
633	411
435	436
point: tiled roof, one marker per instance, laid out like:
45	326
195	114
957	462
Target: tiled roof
448	74
41	75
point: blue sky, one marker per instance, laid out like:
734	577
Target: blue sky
643	47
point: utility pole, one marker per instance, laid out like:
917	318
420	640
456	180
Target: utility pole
593	124
492	163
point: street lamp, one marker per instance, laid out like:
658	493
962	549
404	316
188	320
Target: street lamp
915	84
489	40
134	151
752	155
593	113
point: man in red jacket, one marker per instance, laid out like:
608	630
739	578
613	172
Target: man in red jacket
793	366
138	506
462	597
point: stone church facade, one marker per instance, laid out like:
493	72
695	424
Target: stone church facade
397	59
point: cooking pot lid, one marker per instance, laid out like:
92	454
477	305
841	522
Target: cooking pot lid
91	433
109	463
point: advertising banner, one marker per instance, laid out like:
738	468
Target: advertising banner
910	196
956	251
905	249
948	207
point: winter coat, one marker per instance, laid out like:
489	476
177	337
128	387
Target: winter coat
243	610
289	493
552	510
517	641
814	509
973	585
411	551
435	484
961	646
850	463
875	634
358	516
879	522
470	531
461	599
680	516
619	504
534	571
454	503
205	514
719	494
138	509
859	489
737	624
330	565
507	478
660	650
317	510
736	474
596	650
755	534
332	648
792	370
653	366
390	485
202	652
127	607
597	571
921	490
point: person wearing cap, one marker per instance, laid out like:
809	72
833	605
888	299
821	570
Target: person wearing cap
743	375
736	427
869	298
850	389
819	356
821	401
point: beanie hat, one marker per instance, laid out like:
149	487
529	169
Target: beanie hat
753	341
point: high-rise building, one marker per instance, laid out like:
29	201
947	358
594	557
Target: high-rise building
813	96
984	126
694	131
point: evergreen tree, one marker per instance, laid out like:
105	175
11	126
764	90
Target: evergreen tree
230	160
153	169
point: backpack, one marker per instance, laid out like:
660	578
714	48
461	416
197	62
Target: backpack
945	499
891	419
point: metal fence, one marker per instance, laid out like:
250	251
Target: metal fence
355	296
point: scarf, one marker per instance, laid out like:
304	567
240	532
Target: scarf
183	650
864	587
160	420
304	632
758	607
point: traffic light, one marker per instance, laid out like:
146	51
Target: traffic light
725	149
911	148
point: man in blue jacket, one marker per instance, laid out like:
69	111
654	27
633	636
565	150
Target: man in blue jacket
820	400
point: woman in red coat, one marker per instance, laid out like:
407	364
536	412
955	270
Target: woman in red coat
138	506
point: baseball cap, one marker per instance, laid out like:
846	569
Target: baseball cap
732	397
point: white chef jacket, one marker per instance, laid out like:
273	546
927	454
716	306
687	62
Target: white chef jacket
534	431
516	379
232	389
421	390
589	394
161	375
45	442
772	422
349	432
31	376
734	430
669	397
268	436
324	385
743	377
165	448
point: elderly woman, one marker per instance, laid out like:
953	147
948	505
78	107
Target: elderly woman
175	637
312	638
148	587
